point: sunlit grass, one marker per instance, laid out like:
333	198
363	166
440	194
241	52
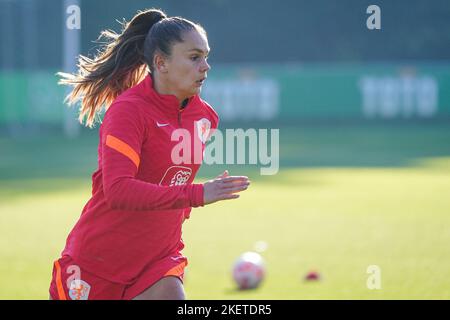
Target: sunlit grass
345	198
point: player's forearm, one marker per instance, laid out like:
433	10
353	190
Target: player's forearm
131	194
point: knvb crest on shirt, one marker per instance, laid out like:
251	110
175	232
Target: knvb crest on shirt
176	176
79	290
203	128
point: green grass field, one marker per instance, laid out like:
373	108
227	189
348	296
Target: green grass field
346	197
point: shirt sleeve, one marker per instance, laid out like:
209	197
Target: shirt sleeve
123	133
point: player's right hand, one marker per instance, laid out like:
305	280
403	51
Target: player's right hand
224	187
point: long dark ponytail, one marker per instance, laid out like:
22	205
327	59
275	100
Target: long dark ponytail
119	65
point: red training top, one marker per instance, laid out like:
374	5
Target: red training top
140	197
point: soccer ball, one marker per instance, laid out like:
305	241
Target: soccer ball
249	270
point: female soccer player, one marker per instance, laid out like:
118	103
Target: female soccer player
127	243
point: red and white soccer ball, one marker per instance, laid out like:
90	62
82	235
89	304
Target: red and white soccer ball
249	270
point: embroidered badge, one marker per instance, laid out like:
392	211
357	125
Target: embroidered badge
79	290
203	128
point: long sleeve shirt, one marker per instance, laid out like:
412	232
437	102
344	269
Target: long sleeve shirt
149	152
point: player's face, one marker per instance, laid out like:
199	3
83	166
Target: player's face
187	66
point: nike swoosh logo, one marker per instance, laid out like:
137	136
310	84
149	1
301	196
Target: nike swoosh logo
161	124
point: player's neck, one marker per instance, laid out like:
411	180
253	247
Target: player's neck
164	88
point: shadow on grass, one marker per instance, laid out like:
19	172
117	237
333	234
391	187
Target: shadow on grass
234	291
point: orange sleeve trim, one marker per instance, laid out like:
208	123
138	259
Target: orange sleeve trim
123	148
59	285
177	270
